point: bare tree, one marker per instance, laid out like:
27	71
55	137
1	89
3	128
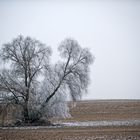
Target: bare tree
29	60
70	76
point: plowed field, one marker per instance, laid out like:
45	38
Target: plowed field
87	111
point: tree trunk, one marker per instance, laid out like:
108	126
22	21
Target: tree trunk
26	113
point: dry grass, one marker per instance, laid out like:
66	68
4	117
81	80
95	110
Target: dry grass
72	134
88	111
106	110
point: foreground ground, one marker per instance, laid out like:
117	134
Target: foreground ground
87	111
73	134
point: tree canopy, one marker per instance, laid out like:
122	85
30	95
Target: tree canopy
29	59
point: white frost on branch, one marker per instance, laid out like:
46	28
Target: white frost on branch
29	60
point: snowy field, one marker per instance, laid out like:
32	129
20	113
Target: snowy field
101	123
82	124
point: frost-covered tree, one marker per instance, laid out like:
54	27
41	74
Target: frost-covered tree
71	74
29	60
26	58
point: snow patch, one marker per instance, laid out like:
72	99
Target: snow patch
81	124
101	123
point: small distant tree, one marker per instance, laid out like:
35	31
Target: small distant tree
39	87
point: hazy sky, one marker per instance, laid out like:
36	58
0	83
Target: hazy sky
110	28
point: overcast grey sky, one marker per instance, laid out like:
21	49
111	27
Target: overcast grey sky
110	28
